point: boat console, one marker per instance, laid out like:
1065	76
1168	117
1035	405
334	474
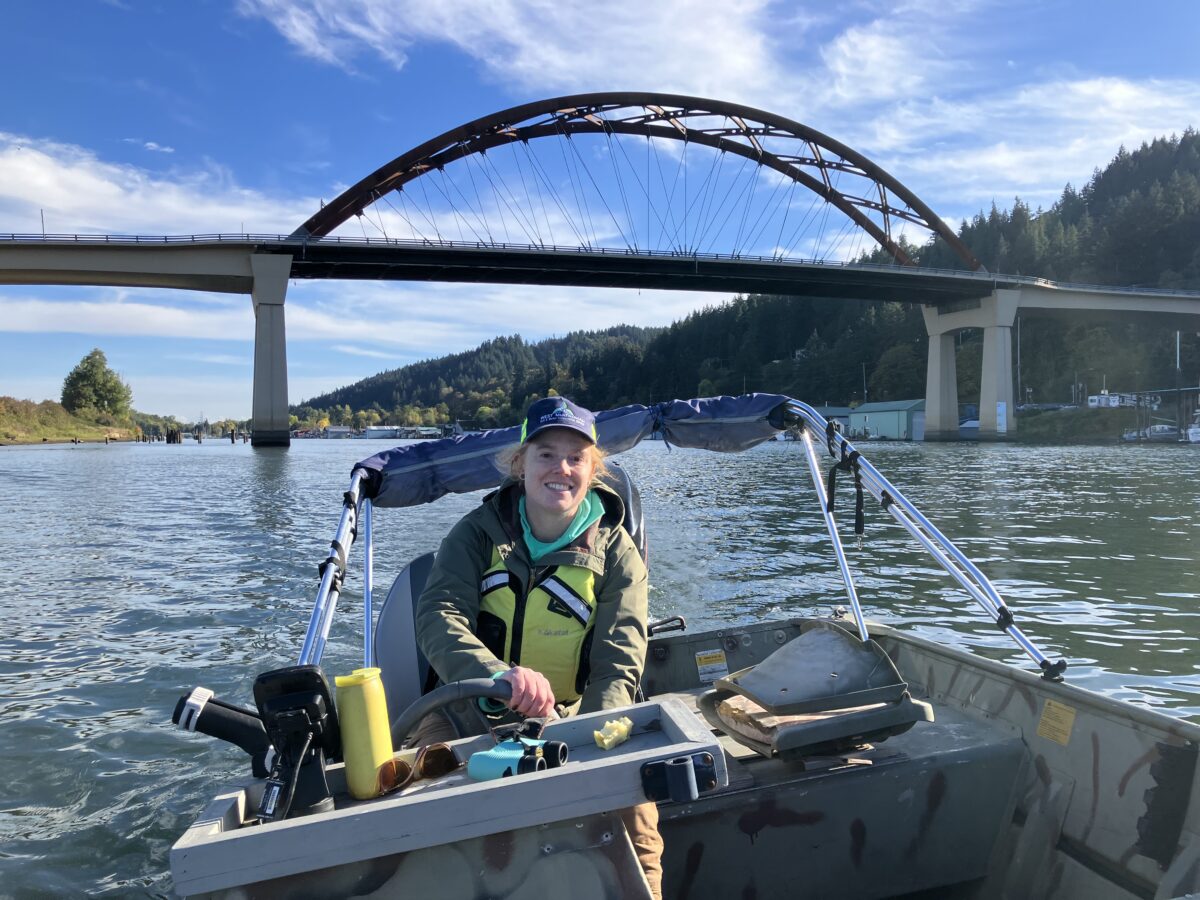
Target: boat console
392	839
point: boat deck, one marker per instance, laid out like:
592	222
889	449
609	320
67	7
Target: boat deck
921	810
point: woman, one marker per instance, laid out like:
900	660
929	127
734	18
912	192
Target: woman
540	586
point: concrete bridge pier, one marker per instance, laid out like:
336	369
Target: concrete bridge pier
995	314
941	387
997	415
270	426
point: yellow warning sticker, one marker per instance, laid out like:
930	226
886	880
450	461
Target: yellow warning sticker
1056	722
711	665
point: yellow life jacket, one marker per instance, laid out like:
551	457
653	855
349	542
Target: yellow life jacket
548	630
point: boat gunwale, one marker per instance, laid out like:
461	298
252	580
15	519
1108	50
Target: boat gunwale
1123	709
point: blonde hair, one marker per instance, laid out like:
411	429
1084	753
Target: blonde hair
512	460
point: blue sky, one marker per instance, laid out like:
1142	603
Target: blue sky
242	115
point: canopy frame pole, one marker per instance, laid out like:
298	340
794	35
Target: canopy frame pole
900	515
941	548
333	570
368	585
814	469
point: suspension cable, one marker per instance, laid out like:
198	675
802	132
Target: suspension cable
540	171
517	212
754	175
728	191
453	183
645	191
612	158
600	193
478	202
783	222
528	195
411	227
576	188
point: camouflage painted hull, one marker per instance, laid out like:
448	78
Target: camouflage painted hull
1020	788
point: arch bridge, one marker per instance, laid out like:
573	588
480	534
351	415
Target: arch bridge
607	189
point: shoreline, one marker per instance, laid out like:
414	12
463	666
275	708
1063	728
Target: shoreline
57	441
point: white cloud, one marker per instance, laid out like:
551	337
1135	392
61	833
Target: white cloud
916	87
410	322
219	396
214	359
893	90
401	322
874	63
351	350
1040	137
152	146
144	318
720	50
80	193
191	396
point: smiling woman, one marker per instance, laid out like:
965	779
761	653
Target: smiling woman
542	587
557	462
548	543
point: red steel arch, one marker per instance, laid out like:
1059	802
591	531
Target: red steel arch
665	116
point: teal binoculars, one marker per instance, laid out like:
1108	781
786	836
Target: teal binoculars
516	755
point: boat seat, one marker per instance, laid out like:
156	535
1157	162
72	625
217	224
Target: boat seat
404	669
821	693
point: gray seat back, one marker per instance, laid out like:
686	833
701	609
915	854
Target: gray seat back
404	669
634	522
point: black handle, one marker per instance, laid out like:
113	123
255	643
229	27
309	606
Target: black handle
224	721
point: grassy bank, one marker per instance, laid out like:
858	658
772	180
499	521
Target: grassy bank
1075	426
26	422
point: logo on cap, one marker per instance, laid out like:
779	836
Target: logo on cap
562	413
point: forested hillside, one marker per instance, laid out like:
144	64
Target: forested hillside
1137	222
483	386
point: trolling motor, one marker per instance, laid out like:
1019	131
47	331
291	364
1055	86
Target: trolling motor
297	711
290	737
201	711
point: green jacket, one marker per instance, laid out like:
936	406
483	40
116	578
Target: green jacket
448	609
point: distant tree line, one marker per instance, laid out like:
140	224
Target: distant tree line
1137	222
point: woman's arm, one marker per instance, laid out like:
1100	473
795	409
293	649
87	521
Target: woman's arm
446	616
619	644
448	609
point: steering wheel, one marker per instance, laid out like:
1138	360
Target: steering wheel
469	688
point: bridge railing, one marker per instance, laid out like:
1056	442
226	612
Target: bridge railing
284	240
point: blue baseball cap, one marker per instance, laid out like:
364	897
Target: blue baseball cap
558	412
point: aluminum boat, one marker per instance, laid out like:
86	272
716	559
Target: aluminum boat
805	757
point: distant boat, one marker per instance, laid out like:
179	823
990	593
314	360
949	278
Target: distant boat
1154	434
384	432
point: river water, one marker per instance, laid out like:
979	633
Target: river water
139	571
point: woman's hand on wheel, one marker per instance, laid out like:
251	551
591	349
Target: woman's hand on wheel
531	693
